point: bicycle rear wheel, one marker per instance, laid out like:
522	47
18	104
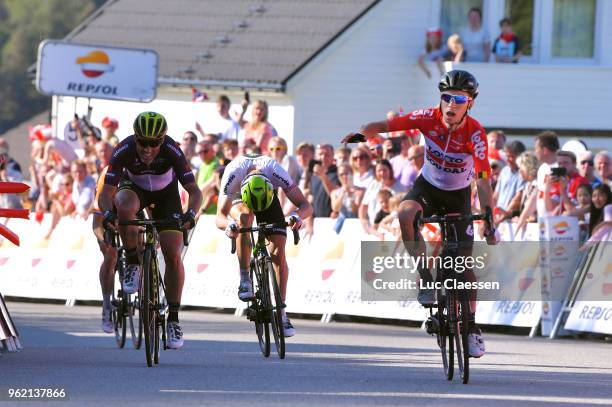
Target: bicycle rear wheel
135	317
445	338
276	302
148	307
465	330
457	334
258	305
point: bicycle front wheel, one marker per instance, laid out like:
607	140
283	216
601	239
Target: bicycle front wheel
148	306
464	317
444	337
258	307
135	317
276	320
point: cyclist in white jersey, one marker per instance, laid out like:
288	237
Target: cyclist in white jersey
248	190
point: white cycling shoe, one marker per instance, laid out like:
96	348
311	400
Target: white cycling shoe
245	290
131	279
174	335
107	322
476	343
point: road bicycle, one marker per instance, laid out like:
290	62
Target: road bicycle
265	308
450	317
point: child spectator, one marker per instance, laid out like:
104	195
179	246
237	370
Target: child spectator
455	52
601	197
583	206
434	51
506	47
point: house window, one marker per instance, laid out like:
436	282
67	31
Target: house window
573	33
453	14
520	13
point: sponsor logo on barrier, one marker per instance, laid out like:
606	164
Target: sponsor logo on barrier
515	307
70	263
560	250
325	274
561	228
545	308
201	268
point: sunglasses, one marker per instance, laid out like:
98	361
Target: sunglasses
360	157
590	162
276	149
458	99
149	143
66	184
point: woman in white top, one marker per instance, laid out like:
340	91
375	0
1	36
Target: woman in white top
361	163
346	199
475	38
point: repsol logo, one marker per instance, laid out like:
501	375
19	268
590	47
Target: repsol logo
227	184
92	89
516	307
283	180
479	145
445	169
596	313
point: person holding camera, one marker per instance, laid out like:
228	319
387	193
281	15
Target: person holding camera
323	176
563	184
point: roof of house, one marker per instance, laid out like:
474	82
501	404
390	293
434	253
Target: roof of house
224	42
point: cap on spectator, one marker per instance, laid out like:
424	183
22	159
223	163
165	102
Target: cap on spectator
41	132
434	32
109	123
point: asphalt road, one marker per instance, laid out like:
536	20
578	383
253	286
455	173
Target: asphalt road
333	364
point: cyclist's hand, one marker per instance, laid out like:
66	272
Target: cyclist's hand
295	222
110	220
353	138
188	219
231	230
492	237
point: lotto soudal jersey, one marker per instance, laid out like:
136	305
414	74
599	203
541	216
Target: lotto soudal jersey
451	158
168	166
238	169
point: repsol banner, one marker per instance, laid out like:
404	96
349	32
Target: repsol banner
69	69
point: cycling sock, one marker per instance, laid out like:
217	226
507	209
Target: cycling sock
244	274
106	301
173	310
132	256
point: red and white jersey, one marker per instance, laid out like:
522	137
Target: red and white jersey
451	158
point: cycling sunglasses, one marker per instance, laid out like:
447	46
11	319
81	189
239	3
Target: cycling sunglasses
458	99
149	143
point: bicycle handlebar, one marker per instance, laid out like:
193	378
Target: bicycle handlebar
449	218
147	222
266	227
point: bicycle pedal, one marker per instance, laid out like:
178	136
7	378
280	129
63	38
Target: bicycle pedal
432	325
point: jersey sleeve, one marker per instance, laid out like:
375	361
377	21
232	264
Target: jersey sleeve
180	165
281	178
419	119
480	153
116	164
230	182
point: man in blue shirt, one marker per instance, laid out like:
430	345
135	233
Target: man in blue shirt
510	181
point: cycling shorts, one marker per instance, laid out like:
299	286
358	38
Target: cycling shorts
165	203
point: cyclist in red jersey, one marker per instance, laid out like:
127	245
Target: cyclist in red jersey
455	154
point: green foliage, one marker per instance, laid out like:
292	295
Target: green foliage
23	25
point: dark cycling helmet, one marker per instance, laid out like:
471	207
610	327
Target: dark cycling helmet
257	192
459	80
150	125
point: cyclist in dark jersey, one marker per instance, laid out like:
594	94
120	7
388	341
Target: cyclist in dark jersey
145	170
455	154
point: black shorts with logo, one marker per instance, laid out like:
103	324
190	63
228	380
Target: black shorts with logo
165	203
274	214
436	201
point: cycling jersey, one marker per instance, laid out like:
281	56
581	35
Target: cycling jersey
168	166
450	157
238	169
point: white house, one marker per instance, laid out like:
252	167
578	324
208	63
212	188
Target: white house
327	67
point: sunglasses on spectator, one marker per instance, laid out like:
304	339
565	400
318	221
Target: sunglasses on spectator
360	157
66	183
590	162
276	149
458	99
149	143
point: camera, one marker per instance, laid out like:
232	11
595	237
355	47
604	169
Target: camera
312	163
558	172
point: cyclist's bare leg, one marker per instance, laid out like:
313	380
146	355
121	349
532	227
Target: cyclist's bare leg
243	243
406	214
277	253
171	242
107	268
127	204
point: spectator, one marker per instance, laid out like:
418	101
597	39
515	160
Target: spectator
603	231
455	52
83	189
475	38
212	194
546	146
204	176
434	51
342	156
213	139
104	153
258	129
278	151
109	127
188	147
61	202
249	146
391	222
324	179
363	175
603	167
11	165
506	47
383	197
230	150
496	140
565	187
370	205
10	171
55	151
528	170
586	166
223	126
346	199
303	154
600	198
510	180
497	166
583	206
408	162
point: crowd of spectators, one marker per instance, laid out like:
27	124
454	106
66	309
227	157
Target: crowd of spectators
471	44
364	181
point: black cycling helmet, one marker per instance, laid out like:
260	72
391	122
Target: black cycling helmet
150	125
459	80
